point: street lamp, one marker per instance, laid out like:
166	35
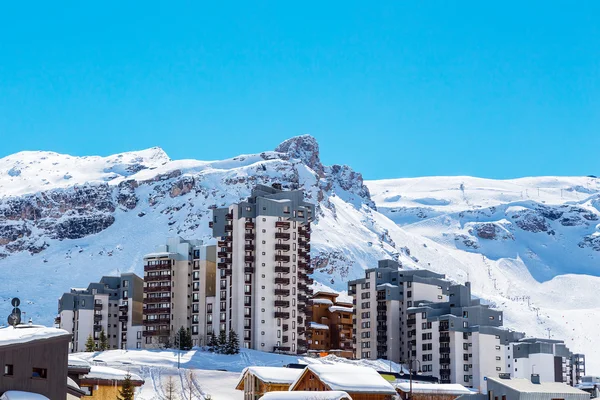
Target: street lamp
409	362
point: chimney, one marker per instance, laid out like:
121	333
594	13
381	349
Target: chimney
535	378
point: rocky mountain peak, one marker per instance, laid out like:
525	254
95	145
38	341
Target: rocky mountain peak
304	148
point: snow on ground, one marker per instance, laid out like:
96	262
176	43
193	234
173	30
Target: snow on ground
214	375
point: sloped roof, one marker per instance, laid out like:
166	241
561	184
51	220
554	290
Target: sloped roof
275	375
437	388
349	378
525	386
110	374
28	333
18	395
306	395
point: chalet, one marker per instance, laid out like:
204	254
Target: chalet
34	360
361	383
256	381
105	383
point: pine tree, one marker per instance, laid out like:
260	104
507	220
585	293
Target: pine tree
180	339
233	343
222	343
90	345
212	342
187	342
127	390
103	341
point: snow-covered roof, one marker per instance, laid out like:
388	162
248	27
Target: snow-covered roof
18	395
159	254
277	375
341	309
315	325
111	374
446	388
387	285
306	395
72	383
322	301
77	362
526	386
28	333
349	378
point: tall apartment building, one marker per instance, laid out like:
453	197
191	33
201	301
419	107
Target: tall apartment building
179	290
461	340
330	329
114	305
264	262
382	299
549	358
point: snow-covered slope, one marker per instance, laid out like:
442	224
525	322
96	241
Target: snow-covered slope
65	221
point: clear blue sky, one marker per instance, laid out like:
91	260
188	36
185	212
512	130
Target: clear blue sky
391	88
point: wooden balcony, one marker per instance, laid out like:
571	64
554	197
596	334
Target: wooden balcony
158	267
123	318
222	254
228	228
157	278
249	236
282	281
97	317
222	243
157	310
152	289
282	303
249	247
155	300
249	259
249	270
224	264
249	225
282	292
284	247
282	314
282	258
161	332
157	321
229	216
283	270
282	235
282	224
97	306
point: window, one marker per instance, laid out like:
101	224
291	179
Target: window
498	369
465	324
466	378
39	373
8	370
139	335
466	367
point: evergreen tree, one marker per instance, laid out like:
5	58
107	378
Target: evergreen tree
233	343
127	390
167	344
222	343
89	344
187	342
103	341
212	342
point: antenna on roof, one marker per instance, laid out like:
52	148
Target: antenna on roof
14	318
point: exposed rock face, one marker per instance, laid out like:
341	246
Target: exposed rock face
531	222
491	231
306	149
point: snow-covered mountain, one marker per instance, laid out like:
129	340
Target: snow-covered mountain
65	221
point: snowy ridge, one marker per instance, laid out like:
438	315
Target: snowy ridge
58	233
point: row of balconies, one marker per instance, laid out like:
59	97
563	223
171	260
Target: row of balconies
157	278
157	332
157	321
157	310
152	289
154	300
159	266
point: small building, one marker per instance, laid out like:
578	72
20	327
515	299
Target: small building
74	392
361	383
330	328
326	395
256	381
428	391
524	389
105	383
33	359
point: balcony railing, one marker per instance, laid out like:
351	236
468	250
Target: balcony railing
282	281
249	225
443	327
282	303
444	350
222	243
282	292
249	270
249	236
222	254
444	339
158	266
282	314
123	318
157	278
282	235
157	321
228	228
444	371
249	259
281	348
223	265
154	300
229	216
161	332
249	247
97	306
283	270
97	317
281	246
157	310
282	258
151	289
97	328
282	224
411	321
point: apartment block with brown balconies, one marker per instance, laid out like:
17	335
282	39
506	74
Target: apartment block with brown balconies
179	285
263	262
330	329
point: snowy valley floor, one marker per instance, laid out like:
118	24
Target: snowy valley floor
213	376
